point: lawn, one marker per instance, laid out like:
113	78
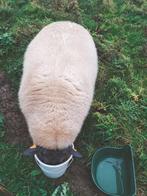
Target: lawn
118	115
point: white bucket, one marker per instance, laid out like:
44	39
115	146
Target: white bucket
54	171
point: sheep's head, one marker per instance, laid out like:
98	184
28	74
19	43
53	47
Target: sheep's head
58	155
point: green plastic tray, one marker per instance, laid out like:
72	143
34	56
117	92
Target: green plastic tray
113	171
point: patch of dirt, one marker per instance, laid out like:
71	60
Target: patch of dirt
78	175
14	123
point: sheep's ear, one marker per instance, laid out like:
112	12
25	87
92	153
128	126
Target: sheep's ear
75	153
31	151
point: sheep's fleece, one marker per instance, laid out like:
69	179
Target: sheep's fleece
57	86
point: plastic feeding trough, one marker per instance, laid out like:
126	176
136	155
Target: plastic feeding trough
113	171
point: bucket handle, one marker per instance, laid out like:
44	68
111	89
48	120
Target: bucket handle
70	162
37	162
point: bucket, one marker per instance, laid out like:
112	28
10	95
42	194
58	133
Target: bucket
54	171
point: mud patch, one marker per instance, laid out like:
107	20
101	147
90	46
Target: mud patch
14	123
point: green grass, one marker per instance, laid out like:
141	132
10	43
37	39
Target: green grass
119	110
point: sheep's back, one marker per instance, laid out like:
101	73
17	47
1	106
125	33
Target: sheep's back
60	68
63	49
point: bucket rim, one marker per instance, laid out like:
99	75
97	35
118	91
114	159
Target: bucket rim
57	165
53	166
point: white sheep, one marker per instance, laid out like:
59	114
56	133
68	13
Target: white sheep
57	86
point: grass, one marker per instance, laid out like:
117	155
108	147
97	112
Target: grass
119	110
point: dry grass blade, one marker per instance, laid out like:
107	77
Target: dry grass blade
4	191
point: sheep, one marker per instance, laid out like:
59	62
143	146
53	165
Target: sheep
58	81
